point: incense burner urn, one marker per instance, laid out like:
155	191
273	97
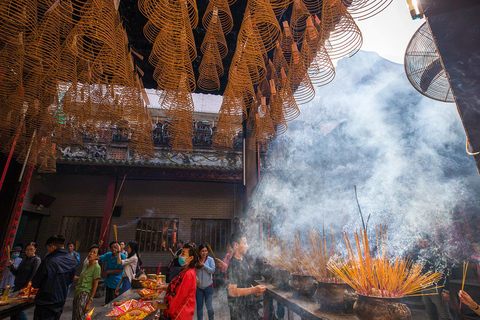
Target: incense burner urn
303	285
277	277
335	297
378	308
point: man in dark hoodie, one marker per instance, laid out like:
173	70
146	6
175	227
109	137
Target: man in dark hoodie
53	277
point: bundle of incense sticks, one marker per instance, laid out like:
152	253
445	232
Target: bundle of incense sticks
465	269
287	254
381	276
316	259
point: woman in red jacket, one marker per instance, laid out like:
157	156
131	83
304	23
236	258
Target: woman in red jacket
179	301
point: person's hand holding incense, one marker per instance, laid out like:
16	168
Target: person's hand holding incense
466	299
259	290
220	263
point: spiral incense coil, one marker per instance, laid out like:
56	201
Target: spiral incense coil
218	11
229	122
298	20
96	31
214	35
151	31
290	107
11	67
263	130
363	9
280	6
299	79
179	106
279	61
344	36
286	42
16	17
172	42
210	69
276	112
168	75
162	13
265	22
42	53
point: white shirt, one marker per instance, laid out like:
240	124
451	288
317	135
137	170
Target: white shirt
129	267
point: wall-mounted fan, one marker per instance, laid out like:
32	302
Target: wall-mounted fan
424	68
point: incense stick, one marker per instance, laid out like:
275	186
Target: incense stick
8	252
210	248
465	268
115	231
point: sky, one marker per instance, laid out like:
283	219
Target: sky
389	32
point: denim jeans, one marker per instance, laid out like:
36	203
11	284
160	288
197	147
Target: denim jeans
207	295
126	285
19	316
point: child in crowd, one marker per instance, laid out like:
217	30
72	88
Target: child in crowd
8	279
87	284
71	250
129	266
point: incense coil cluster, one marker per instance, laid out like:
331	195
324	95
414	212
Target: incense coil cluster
65	68
170	24
301	54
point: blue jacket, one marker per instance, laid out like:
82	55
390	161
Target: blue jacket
205	273
53	277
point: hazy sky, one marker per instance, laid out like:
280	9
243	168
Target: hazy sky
389	32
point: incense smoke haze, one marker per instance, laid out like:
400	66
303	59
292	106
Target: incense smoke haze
406	154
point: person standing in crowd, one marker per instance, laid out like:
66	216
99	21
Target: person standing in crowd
179	300
53	277
87	284
24	273
436	299
71	250
8	279
122	248
205	285
240	285
223	265
174	266
113	271
129	267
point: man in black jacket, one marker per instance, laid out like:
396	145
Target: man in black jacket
53	277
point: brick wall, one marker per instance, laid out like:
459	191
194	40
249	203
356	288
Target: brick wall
80	195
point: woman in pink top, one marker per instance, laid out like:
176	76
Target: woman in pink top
223	265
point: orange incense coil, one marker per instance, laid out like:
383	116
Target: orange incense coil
298	20
263	19
150	30
95	31
168	75
163	13
285	43
276	111
280	6
299	79
290	107
279	61
219	11
214	35
17	17
210	69
344	36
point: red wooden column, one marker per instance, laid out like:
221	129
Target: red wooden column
107	213
15	216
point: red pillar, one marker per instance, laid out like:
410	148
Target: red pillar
15	217
107	213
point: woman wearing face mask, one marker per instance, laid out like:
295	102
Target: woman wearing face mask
179	301
129	266
9	278
25	271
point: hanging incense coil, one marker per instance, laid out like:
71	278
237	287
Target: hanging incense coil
264	22
299	79
362	10
179	106
214	35
218	11
230	121
162	13
17	17
210	69
285	43
290	107
344	36
298	19
279	61
280	6
276	110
